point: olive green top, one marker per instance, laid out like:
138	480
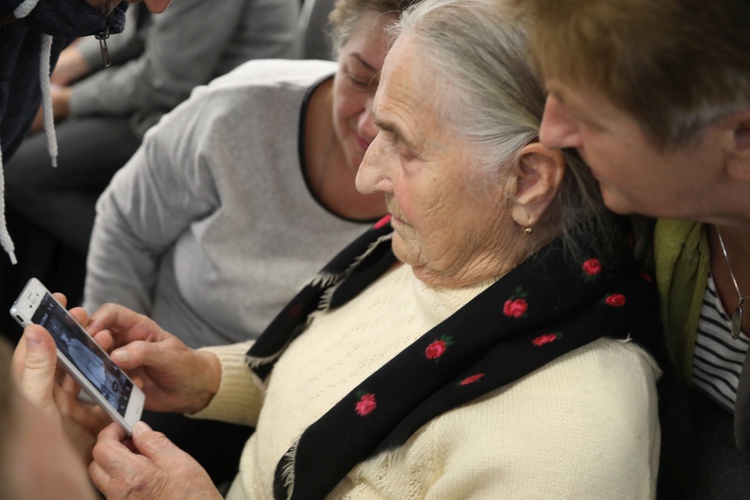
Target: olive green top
682	266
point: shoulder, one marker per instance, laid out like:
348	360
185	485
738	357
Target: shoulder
275	72
237	100
256	84
586	422
607	382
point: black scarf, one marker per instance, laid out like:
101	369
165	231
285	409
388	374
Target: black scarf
543	309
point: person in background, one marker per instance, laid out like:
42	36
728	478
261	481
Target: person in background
101	119
656	98
34	32
498	286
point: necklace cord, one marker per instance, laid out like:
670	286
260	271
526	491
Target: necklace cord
729	266
736	323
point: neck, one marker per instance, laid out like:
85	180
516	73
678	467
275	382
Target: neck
737	244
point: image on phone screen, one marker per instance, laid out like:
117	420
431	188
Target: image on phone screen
84	353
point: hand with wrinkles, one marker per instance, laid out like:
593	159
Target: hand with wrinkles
174	377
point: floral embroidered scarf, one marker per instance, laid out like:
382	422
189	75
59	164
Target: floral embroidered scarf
543	309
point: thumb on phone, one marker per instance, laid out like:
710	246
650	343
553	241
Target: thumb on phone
34	364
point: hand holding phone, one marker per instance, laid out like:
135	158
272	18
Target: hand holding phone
105	383
175	377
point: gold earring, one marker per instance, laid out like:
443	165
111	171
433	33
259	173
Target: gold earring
528	229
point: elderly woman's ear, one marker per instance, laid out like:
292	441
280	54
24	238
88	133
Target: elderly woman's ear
534	182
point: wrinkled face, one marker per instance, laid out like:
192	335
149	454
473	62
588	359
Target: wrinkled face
360	62
634	176
42	462
443	228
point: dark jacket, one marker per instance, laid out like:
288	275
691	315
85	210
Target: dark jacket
20	49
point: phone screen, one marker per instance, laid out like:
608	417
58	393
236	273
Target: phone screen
84	353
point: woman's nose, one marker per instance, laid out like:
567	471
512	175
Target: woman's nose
366	123
371	175
558	130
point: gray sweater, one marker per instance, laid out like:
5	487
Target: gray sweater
210	228
188	45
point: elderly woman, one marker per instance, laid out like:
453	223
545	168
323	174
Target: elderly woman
474	344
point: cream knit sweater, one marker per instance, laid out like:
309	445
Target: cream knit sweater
584	426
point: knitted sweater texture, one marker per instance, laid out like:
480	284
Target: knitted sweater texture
583	426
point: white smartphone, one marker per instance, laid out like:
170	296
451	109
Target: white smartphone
103	381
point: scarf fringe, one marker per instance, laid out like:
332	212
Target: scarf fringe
325	299
370	249
287	472
324	279
254	362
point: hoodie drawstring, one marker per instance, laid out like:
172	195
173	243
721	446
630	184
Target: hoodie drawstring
5	239
44	82
23	10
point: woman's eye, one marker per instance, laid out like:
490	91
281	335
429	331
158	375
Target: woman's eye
357	82
364	82
405	154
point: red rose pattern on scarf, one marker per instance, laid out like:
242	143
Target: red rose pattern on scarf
366	403
615	300
471	379
591	270
516	305
438	347
546	338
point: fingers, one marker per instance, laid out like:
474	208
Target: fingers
62	299
119	464
80	314
105	339
124	325
34	366
152	444
108	452
141	354
153	468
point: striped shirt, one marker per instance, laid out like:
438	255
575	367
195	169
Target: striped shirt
718	358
